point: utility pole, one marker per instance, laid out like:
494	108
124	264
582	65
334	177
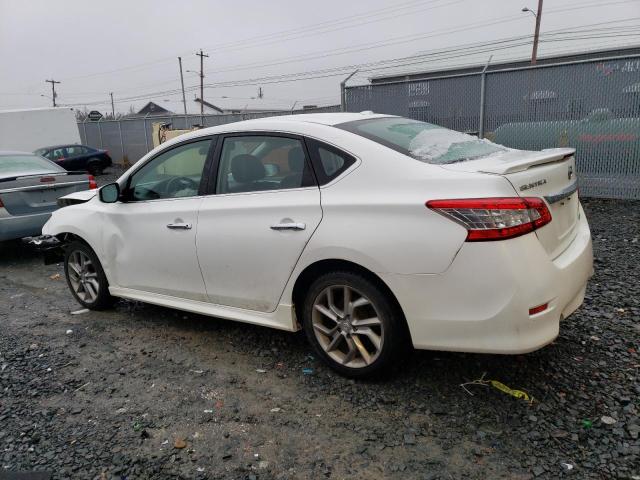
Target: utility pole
184	100
202	55
534	53
343	92
113	110
53	90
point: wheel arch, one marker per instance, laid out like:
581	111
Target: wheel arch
68	237
320	267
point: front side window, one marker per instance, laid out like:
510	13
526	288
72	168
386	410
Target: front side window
254	163
423	141
172	174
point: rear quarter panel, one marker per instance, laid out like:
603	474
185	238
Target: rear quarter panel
375	215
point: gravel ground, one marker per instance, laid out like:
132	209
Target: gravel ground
147	392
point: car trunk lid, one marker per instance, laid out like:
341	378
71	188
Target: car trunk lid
35	194
548	174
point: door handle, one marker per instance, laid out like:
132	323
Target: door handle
288	226
179	226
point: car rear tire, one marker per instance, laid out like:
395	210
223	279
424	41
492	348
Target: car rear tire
85	277
353	324
94	166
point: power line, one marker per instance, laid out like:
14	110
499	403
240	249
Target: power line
469	49
307	28
397	40
480	48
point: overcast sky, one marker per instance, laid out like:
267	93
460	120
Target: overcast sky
130	47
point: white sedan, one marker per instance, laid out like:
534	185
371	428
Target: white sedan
370	232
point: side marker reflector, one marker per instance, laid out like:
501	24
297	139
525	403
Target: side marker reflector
538	309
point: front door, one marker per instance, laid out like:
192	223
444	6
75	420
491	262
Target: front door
253	230
150	239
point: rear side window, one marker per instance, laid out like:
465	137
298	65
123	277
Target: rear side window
25	165
423	141
329	162
74	151
255	163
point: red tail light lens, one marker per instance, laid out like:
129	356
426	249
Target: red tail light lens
47	179
1	204
92	182
494	218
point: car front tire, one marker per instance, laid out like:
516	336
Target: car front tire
85	277
353	324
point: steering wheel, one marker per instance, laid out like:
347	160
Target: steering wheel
181	183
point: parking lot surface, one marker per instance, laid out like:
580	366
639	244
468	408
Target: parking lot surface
148	392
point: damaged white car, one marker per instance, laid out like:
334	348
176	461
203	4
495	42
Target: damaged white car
370	232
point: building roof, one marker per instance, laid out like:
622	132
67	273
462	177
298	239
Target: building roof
152	108
474	69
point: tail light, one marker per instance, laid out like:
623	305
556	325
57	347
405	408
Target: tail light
494	218
92	182
1	204
47	179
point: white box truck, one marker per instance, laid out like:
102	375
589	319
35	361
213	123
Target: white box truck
29	129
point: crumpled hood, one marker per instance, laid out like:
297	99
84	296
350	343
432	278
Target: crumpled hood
84	195
76	198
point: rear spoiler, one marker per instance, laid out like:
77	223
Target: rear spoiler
11	179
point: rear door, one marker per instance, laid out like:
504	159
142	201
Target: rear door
252	231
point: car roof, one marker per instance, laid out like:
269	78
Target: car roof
330	119
64	146
286	122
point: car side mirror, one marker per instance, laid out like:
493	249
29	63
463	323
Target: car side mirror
110	193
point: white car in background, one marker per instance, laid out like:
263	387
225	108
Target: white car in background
370	232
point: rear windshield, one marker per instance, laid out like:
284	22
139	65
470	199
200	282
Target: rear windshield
25	165
423	141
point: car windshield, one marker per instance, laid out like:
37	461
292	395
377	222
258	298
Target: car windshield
423	141
40	151
25	165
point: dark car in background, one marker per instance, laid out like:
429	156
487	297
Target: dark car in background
77	157
29	190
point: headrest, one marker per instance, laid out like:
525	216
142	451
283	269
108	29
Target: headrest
296	159
247	168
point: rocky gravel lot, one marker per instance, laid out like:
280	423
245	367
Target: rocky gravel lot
147	392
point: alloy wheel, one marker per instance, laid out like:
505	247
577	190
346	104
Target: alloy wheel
83	276
347	326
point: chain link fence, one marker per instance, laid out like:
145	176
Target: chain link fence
593	106
130	138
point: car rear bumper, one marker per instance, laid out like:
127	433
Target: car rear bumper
20	226
481	303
